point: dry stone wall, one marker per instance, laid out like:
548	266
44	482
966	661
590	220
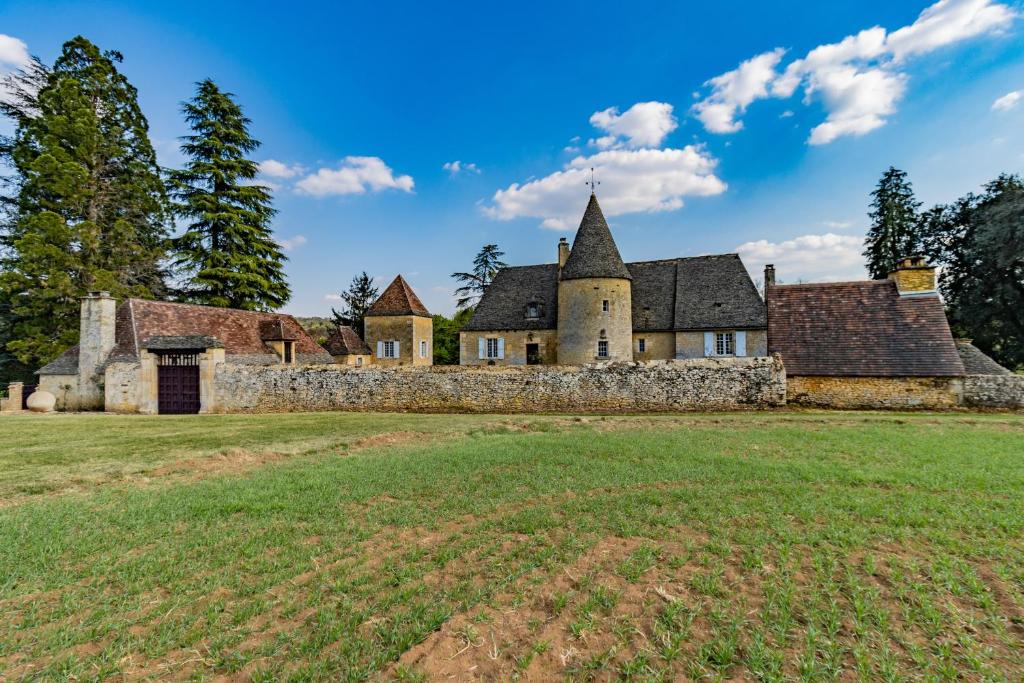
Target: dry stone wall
994	391
700	384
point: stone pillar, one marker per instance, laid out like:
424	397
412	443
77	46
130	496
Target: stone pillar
208	363
15	396
96	340
148	384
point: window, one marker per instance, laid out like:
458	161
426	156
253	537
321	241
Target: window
641	345
725	343
359	361
492	347
602	349
423	349
289	352
604	305
389	350
532	311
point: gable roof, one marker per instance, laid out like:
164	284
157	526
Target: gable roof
398	299
142	324
344	341
668	295
976	362
593	252
863	329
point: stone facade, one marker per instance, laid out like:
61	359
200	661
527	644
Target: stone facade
657	346
97	339
886	393
913	275
408	331
64	388
715	384
994	391
582	320
514	346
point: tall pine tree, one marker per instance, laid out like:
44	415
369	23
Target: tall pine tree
360	296
89	207
227	253
893	233
486	265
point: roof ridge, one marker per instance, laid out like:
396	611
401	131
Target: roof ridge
398	298
838	282
676	259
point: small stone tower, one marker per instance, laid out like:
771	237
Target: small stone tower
595	308
398	327
96	341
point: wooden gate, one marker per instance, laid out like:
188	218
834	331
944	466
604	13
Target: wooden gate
178	383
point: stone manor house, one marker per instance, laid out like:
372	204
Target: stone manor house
876	343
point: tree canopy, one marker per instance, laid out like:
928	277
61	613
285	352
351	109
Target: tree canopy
486	265
358	298
893	233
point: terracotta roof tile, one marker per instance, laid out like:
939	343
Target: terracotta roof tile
860	329
343	341
398	299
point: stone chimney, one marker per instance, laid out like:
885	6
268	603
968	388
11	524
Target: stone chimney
913	276
96	340
563	252
769	277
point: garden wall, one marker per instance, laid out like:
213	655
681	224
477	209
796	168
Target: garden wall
699	384
994	391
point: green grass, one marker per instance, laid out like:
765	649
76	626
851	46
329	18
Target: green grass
782	546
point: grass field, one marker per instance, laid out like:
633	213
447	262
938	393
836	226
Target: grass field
781	546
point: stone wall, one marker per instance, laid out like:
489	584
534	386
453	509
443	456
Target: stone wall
64	388
515	346
657	346
408	331
581	319
886	393
994	391
702	384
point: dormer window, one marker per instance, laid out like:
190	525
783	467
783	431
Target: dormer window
288	352
532	310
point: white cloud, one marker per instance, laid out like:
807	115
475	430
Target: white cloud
837	225
13	53
808	258
645	124
734	90
355	175
1007	101
332	297
292	243
858	79
643	180
456	167
277	169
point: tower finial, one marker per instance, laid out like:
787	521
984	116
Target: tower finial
593	184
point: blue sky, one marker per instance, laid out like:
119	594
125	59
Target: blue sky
758	127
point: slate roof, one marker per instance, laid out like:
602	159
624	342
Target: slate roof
398	299
593	252
142	324
976	362
344	341
863	329
667	295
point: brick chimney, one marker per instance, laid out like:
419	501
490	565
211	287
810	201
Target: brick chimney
769	277
563	252
913	276
96	340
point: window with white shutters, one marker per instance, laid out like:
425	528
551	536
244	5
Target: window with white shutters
725	343
492	347
389	349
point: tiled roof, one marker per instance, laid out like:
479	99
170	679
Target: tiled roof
64	364
860	329
976	362
343	341
398	299
674	294
194	341
594	253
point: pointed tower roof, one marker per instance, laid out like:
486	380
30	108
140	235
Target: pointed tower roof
594	253
398	299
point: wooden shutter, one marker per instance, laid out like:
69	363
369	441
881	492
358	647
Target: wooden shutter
501	348
483	348
741	343
380	349
709	343
398	353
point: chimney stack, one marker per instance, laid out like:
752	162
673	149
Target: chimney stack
96	340
563	252
914	277
769	277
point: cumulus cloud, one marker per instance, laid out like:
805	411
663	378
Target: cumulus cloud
456	167
858	79
292	243
734	90
13	53
645	124
808	258
641	180
1007	101
278	169
355	175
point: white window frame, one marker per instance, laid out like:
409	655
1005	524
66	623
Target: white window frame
492	348
423	348
602	345
389	349
725	343
532	311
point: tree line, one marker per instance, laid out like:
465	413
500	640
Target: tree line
978	243
86	205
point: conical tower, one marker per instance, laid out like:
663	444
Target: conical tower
595	309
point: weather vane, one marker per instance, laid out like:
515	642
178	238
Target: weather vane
593	184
